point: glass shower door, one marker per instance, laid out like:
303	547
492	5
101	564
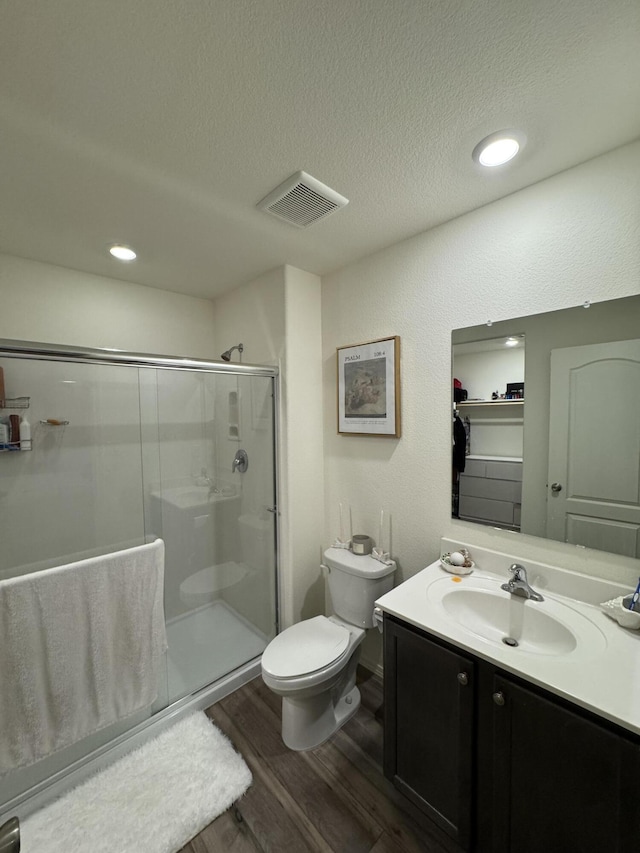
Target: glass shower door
215	516
77	494
122	454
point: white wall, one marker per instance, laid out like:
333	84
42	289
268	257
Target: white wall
552	245
253	315
302	457
50	304
277	318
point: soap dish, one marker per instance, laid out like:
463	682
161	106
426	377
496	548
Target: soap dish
616	609
448	566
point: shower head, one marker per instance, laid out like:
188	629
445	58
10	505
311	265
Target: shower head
226	355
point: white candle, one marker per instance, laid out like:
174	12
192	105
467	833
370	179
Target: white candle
350	524
380	548
341	524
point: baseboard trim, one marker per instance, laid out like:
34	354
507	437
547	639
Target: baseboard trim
372	666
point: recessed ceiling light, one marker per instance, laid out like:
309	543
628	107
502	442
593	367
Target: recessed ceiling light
498	148
122	253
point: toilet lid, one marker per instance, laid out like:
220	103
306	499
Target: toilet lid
305	647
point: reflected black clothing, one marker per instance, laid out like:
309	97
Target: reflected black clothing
459	444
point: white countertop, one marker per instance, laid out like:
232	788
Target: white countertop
601	676
482	457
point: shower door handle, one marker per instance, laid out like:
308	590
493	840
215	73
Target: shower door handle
10	836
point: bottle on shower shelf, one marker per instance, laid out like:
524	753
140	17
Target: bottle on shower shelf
25	434
14	432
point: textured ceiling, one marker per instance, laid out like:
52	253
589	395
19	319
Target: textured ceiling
162	124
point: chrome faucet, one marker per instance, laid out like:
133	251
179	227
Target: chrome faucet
204	480
519	585
10	836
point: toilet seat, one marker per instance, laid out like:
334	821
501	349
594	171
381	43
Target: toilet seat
305	647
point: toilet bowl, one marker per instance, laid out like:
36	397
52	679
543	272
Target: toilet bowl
206	586
312	665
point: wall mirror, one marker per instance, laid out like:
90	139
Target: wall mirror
546	425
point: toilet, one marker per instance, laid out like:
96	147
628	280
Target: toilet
312	664
208	584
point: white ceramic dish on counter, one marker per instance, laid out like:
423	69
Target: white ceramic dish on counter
448	566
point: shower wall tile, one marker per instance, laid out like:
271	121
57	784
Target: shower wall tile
78	489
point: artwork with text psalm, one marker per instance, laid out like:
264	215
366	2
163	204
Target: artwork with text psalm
369	388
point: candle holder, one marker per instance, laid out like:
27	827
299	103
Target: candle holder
381	556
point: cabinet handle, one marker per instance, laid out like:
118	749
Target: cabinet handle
463	678
498	698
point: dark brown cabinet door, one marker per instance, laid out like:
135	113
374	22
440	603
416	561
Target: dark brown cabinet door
429	704
560	780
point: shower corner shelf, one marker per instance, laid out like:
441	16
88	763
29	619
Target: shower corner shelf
15	403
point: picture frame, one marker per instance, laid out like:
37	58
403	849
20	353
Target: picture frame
368	388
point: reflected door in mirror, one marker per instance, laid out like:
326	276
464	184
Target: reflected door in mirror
594	447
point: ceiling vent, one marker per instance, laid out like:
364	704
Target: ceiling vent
302	200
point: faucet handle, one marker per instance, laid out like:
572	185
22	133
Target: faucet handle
519	572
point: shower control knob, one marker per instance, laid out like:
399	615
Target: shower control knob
463	678
240	461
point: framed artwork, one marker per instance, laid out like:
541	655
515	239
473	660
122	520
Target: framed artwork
369	388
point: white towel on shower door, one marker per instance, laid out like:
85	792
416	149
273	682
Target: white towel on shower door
80	648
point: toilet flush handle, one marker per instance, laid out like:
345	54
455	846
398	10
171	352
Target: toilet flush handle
378	618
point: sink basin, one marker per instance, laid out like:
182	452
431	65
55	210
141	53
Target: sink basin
189	497
548	627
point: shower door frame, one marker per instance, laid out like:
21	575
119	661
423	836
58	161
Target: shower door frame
70	776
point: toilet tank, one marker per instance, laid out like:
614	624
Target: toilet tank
355	582
256	541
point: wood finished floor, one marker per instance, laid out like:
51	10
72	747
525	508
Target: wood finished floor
333	799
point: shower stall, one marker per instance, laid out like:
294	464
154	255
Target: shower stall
126	449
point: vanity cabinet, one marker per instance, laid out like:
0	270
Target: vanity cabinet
500	765
560	781
429	718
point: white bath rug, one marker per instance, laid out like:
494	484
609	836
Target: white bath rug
152	800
